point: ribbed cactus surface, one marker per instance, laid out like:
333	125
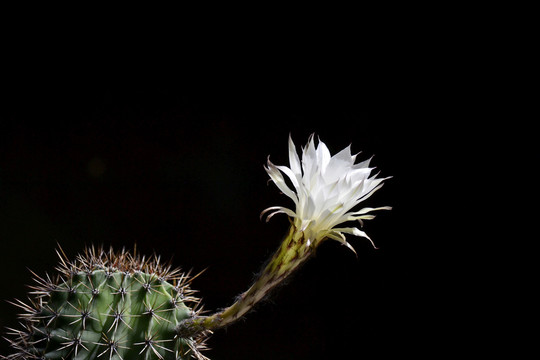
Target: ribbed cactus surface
108	305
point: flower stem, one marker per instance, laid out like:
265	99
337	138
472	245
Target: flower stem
294	250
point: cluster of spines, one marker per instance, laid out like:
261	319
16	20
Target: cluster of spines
40	316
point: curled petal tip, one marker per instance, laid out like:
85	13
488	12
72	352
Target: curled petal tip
351	248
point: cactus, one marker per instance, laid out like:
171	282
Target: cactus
118	305
128	307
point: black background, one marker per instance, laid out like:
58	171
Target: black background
97	148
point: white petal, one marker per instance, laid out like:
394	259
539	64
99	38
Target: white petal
363	164
369	209
371	189
308	209
290	174
294	161
305	224
341	238
328	219
339	165
359	174
278	210
278	179
309	160
355	232
323	156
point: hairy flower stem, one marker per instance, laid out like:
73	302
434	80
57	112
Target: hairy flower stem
294	250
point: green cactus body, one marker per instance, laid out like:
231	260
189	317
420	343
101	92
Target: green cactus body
111	306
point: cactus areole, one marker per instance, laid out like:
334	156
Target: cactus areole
108	305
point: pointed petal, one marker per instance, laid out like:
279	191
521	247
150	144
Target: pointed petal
290	174
323	155
338	166
341	238
363	164
279	209
294	161
360	218
368	209
270	209
278	179
309	159
356	232
373	190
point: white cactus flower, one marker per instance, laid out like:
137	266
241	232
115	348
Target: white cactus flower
326	189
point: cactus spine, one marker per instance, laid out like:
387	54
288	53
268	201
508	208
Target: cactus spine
108	305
